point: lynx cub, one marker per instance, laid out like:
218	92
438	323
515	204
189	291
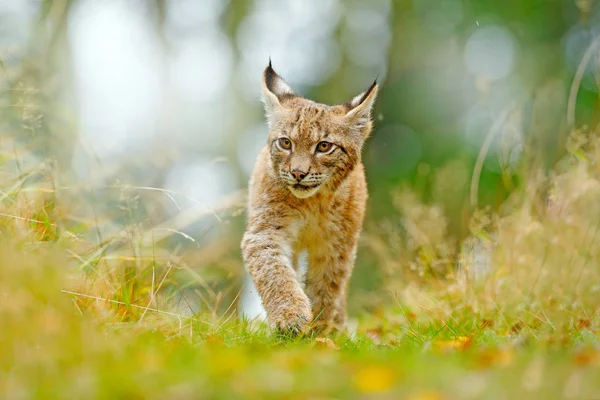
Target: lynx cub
307	194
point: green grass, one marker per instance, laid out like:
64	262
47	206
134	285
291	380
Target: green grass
85	315
57	345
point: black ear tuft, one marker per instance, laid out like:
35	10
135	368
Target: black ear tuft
275	93
270	76
361	98
276	85
368	91
359	108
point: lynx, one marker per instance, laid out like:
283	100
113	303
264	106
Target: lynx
307	194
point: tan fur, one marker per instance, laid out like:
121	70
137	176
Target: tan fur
323	217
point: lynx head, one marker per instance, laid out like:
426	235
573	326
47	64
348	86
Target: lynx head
314	146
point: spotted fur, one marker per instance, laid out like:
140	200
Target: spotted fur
304	199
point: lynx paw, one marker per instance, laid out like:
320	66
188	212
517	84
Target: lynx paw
292	316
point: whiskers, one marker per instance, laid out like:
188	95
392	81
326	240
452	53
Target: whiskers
287	177
311	180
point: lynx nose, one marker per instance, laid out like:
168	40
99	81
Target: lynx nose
299	175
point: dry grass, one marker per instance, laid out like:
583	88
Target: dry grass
88	315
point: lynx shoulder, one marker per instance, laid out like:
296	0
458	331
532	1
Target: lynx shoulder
307	195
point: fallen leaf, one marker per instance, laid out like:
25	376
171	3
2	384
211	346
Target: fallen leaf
516	328
213	340
486	323
495	357
374	335
583	324
460	343
588	357
327	342
374	379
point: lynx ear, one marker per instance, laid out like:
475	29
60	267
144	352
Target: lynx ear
359	108
275	92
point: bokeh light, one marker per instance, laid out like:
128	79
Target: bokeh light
202	182
440	16
298	39
117	76
249	145
200	68
491	52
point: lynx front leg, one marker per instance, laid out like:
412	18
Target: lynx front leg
326	283
267	258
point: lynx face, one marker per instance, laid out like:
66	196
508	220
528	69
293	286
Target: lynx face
313	146
308	149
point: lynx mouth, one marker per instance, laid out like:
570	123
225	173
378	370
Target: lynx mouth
300	186
303	191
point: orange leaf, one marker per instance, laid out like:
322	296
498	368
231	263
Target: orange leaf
374	335
327	342
496	357
516	328
583	324
486	323
214	339
460	343
588	358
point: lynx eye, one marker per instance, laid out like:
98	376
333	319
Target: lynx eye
285	143
324	147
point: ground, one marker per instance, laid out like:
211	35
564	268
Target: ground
55	346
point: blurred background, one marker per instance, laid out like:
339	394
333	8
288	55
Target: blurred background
142	119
